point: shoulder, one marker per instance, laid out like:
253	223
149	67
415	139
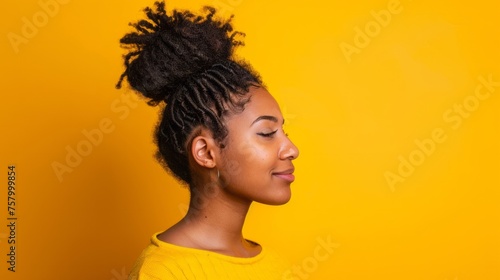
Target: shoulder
274	261
161	261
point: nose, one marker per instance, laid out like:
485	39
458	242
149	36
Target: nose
288	150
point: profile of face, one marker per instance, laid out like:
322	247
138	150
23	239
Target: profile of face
256	163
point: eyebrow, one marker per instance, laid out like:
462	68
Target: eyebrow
269	118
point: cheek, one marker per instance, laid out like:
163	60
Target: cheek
246	151
247	157
233	167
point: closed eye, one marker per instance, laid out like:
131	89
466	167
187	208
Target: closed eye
270	134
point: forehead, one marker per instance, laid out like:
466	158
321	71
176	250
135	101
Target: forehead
261	103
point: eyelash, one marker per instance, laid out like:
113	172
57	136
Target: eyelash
269	135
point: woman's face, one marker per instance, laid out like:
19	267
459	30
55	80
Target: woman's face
257	160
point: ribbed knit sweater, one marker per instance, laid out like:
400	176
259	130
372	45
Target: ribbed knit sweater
161	260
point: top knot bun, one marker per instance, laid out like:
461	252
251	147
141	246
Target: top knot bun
165	50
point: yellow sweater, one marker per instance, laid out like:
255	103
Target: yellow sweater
161	260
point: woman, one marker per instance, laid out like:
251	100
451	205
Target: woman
220	133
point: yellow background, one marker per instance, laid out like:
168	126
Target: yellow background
354	117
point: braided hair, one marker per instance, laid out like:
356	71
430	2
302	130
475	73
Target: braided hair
184	63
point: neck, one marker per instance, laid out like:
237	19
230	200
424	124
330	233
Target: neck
216	220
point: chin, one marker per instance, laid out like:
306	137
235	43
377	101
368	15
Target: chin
281	199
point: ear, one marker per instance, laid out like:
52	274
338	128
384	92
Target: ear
202	149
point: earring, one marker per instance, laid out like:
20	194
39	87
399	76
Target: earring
218	174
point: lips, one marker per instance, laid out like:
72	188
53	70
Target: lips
286	175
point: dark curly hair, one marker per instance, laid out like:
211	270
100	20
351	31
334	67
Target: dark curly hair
185	63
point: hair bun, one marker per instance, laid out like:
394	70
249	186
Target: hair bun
167	49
